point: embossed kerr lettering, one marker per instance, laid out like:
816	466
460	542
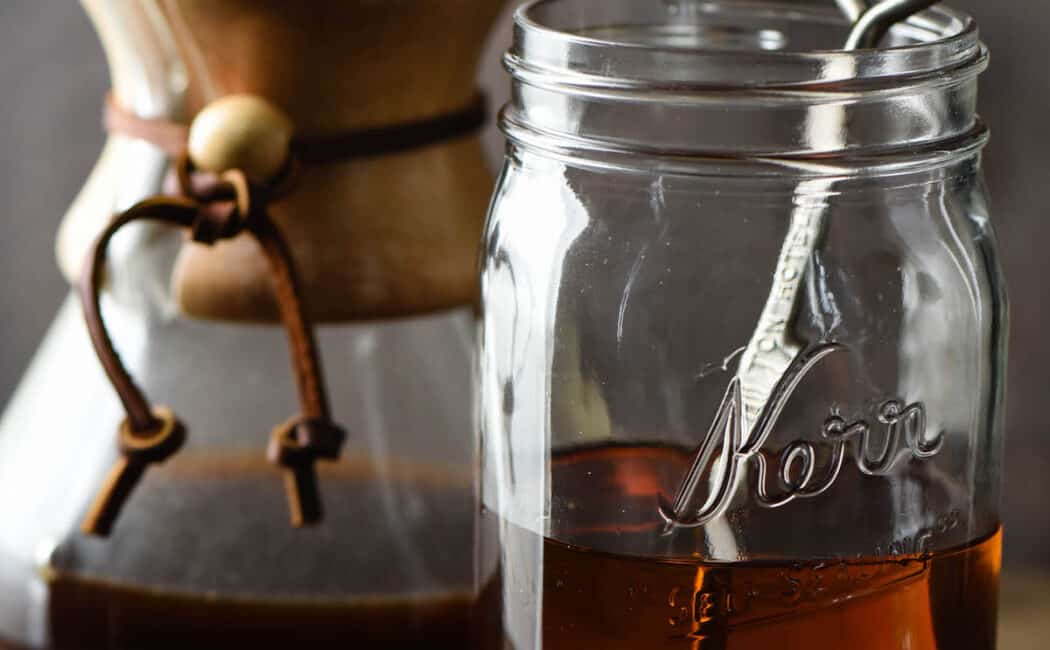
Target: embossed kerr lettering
876	449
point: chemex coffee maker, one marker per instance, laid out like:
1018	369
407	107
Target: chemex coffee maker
278	175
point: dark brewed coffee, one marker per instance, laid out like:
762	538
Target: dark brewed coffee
204	558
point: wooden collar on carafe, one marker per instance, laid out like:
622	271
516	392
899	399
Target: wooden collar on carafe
239	154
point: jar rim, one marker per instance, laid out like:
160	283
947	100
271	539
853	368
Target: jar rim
574	36
739	78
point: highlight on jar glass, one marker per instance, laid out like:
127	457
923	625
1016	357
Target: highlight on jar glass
743	339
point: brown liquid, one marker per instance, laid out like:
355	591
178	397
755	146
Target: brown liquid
217	595
589	599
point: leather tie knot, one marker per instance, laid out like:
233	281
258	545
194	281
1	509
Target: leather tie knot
227	203
217	220
157	444
296	446
304	440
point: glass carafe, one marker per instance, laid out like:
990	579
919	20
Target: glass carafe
743	342
203	554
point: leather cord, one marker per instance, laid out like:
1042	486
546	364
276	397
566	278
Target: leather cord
175	211
213	208
169	136
392	139
336	147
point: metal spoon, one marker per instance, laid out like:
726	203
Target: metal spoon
874	23
772	350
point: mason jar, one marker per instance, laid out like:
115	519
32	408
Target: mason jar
744	334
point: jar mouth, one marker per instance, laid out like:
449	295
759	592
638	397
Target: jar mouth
738	78
729	44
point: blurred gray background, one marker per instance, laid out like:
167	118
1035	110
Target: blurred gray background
53	77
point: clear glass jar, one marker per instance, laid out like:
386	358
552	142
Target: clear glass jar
203	554
743	342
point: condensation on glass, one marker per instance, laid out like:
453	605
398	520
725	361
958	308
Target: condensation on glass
742	308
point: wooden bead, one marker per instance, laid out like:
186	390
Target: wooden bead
242	132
